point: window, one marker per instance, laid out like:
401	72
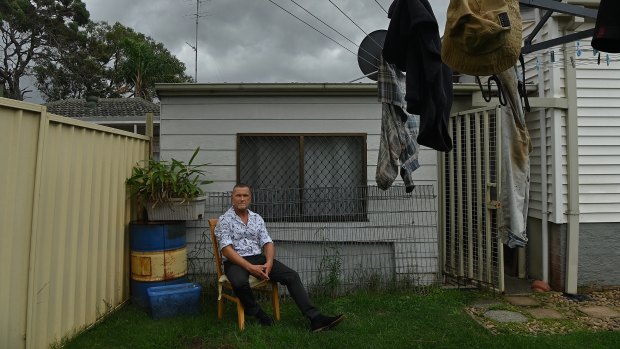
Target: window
300	177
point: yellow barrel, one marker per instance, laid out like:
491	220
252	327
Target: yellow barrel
158	266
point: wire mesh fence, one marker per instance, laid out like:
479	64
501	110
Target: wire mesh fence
338	238
470	191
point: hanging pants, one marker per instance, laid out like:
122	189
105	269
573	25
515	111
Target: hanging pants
515	149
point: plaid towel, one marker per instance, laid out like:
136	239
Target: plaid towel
391	84
399	131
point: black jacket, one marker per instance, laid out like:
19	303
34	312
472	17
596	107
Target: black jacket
412	43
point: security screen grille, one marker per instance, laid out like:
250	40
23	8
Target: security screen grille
301	177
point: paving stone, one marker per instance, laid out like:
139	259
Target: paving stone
542	313
505	316
521	301
599	312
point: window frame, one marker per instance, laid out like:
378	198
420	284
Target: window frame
361	217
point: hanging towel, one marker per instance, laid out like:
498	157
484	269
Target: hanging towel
515	166
398	148
412	43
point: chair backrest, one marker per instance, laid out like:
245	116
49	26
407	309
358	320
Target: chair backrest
216	247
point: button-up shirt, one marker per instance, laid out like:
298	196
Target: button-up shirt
246	239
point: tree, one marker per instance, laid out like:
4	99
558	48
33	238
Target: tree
26	28
110	61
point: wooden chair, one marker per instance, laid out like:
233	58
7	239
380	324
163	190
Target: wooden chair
225	290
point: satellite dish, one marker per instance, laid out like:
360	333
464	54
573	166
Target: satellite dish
369	53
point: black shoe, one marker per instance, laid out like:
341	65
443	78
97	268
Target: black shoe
321	323
263	318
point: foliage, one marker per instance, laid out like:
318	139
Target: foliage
330	268
160	181
26	28
108	61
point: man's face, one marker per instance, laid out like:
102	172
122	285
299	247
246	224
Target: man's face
241	198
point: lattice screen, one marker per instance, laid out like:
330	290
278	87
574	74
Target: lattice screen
395	245
471	248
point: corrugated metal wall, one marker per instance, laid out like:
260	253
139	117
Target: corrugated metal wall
63	218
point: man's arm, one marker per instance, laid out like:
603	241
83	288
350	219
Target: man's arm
256	270
270	251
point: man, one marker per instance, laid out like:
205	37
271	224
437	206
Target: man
247	249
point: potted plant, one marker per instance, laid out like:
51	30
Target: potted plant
169	190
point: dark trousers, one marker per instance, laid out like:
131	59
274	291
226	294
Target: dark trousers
280	273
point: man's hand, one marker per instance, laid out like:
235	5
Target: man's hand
259	271
267	267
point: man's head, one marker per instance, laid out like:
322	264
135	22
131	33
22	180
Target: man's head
241	197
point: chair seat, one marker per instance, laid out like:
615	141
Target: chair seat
224	282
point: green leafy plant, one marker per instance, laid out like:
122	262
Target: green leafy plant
158	182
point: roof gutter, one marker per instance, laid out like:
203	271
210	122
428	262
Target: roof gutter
282	89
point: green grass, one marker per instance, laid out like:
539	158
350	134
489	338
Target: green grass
374	320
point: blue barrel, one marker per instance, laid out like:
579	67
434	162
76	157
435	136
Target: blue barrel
158	257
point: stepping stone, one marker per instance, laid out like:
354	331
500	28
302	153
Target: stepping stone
521	301
542	313
505	316
599	312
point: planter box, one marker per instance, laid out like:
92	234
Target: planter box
177	210
174	300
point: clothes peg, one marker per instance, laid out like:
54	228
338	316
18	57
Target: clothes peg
578	49
572	61
607	59
599	59
552	56
537	64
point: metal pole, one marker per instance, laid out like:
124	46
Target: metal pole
196	43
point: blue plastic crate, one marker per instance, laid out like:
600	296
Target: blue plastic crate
174	300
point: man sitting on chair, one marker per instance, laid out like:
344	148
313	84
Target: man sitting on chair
242	234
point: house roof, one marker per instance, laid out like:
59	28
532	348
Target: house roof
281	89
103	108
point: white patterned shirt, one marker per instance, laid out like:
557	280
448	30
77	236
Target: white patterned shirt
246	240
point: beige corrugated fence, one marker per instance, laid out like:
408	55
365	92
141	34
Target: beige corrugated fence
64	214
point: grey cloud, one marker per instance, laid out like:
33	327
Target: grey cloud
253	40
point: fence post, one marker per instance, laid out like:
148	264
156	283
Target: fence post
149	133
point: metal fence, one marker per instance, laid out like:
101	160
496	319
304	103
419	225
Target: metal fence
472	250
64	211
339	239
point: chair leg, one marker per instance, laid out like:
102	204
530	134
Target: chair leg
220	309
275	300
240	315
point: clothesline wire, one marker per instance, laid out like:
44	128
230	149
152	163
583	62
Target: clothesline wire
589	61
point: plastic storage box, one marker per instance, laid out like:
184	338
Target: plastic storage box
173	300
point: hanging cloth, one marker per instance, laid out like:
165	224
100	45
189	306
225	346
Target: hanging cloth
515	165
412	44
398	148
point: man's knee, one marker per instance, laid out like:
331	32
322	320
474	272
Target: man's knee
290	276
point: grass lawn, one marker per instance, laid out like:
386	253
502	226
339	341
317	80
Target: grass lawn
374	320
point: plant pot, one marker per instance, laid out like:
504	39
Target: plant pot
177	210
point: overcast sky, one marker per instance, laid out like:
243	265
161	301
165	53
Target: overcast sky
254	40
